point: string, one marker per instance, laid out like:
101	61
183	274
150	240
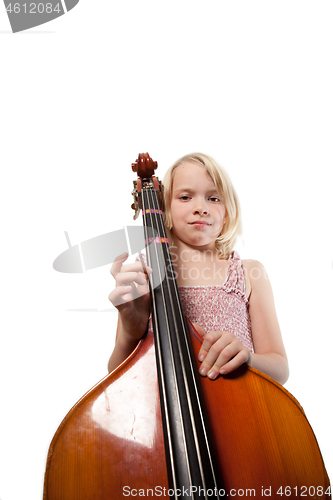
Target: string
158	348
157	224
189	357
194	429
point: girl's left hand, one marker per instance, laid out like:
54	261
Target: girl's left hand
221	353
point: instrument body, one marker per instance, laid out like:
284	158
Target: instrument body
153	427
112	442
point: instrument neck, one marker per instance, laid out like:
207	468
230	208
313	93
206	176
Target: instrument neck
187	442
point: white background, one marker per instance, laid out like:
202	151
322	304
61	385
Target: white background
249	83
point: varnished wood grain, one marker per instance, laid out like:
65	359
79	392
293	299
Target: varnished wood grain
113	438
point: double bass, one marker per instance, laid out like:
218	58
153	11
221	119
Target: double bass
154	428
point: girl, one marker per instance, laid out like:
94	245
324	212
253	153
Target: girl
229	301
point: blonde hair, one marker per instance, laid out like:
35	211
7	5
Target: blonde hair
232	226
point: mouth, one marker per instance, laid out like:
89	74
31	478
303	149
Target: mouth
199	223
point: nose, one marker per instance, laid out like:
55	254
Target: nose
201	208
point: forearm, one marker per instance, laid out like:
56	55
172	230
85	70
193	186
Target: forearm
272	364
123	348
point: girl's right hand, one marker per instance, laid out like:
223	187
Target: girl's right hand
131	296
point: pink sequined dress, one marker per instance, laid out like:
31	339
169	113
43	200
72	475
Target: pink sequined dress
221	307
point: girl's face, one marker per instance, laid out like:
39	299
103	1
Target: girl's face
197	211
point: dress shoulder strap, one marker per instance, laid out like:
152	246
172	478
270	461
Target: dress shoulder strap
235	281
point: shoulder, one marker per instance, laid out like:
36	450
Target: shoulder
254	269
255	275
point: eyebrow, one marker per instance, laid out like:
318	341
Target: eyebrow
180	190
189	190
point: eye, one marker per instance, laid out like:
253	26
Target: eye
215	199
184	197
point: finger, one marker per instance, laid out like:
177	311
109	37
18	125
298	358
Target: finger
230	359
199	330
129	286
128	278
218	355
120	295
136	266
118	262
126	274
140	289
228	353
209	340
143	261
240	358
